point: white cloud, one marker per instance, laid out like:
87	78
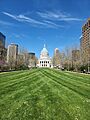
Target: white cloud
57	16
23	18
34	22
53	24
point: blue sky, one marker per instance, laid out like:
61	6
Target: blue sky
31	23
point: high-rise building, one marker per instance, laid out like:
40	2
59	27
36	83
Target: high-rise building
23	58
12	54
31	60
56	58
85	43
3	50
2	40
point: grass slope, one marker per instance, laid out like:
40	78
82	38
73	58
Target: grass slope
44	94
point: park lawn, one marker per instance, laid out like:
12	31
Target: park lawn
44	94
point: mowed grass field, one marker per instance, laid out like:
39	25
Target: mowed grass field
44	94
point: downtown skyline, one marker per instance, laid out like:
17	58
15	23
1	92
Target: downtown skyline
32	23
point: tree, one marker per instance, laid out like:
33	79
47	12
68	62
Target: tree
67	58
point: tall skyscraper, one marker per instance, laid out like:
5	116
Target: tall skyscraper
85	43
32	59
56	58
2	40
12	54
56	52
3	50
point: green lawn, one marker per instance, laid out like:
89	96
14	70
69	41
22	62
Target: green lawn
44	94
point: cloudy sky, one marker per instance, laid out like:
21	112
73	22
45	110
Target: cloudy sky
31	23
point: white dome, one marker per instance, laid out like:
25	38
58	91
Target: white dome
56	49
44	53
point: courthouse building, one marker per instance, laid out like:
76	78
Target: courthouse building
44	60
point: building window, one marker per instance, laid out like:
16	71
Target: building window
42	65
42	61
48	61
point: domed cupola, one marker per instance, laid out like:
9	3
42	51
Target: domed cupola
44	53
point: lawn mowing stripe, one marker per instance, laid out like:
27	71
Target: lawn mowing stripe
16	81
20	83
17	78
66	84
7	74
60	85
71	85
12	87
49	97
36	111
31	88
84	92
19	104
14	103
81	79
77	76
51	108
74	82
12	73
32	82
21	74
71	79
79	98
39	87
70	75
40	97
71	102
